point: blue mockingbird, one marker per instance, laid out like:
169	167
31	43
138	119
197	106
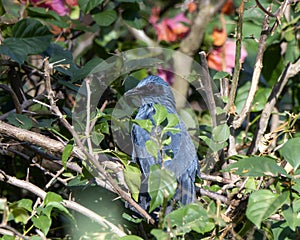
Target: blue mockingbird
184	163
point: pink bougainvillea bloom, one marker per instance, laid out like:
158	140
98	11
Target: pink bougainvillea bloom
172	29
223	58
166	75
154	15
54	5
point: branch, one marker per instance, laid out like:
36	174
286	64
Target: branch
67	203
290	71
238	64
237	122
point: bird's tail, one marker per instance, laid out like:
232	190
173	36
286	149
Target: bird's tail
186	189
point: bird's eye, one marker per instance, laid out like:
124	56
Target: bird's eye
150	86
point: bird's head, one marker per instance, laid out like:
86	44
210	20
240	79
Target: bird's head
153	89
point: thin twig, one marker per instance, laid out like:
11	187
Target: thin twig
238	64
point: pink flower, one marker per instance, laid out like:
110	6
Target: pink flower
166	75
59	6
223	58
171	29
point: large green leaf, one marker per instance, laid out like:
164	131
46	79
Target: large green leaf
188	218
291	152
29	36
264	203
162	186
105	18
256	167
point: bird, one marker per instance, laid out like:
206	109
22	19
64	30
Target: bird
184	162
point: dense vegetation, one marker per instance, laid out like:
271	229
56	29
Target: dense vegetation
65	166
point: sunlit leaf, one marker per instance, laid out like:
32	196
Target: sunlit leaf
66	154
291	152
221	133
132	176
160	115
256	167
263	203
152	148
162	186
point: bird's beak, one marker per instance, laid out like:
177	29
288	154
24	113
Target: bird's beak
132	92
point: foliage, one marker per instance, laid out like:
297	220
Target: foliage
54	187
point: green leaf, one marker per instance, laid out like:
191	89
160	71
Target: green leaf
20	215
162	186
160	115
291	152
131	219
29	36
160	234
87	6
52	197
263	203
58	206
132	176
26	204
256	167
42	13
187	218
19	120
260	99
97	137
173	120
66	154
152	148
220	75
144	123
105	18
221	133
42	222
214	146
292	217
